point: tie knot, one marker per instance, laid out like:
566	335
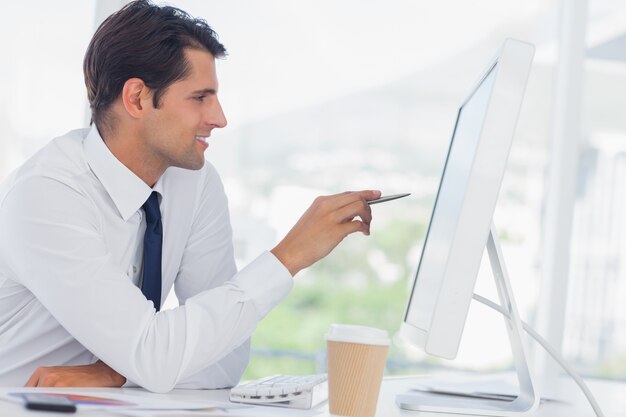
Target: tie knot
151	207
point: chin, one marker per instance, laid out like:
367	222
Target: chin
194	165
197	165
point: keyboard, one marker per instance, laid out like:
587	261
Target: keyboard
305	391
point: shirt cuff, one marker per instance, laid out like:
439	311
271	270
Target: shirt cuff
265	281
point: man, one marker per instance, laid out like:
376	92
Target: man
101	222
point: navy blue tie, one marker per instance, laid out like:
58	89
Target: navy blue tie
152	249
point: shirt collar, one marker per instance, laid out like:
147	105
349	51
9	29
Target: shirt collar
127	190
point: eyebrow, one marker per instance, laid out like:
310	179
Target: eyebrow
205	91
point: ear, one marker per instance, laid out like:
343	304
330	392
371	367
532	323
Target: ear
135	94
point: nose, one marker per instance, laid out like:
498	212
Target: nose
215	115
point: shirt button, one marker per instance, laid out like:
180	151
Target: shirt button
134	269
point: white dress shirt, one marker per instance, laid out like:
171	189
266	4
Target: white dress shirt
71	242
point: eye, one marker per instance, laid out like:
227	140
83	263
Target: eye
199	98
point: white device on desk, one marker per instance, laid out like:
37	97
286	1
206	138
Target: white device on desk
304	391
459	230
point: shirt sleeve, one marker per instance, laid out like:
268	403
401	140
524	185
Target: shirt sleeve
207	262
225	373
57	250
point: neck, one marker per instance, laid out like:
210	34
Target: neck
127	148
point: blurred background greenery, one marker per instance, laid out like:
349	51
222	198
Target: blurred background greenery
290	340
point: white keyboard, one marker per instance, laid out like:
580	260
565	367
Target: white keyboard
304	391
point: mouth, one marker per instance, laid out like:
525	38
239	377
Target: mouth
203	140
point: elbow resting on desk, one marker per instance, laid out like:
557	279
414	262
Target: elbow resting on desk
225	373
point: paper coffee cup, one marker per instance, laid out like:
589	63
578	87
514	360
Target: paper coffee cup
356	361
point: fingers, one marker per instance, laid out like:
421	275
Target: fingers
34	378
358	208
344	207
355	226
44	377
343	199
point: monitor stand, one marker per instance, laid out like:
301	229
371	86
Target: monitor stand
528	398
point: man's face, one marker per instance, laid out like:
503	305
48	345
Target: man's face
176	133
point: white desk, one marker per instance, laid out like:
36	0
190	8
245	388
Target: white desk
610	395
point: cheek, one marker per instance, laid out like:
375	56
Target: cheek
189	110
165	123
173	123
159	131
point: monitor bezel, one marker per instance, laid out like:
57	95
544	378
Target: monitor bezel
512	66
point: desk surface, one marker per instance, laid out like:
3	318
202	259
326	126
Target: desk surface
610	395
569	401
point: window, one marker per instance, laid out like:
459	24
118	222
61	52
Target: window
43	44
325	96
595	333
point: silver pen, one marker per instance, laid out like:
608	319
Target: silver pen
387	198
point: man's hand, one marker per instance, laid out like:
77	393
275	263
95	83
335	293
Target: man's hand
95	375
323	226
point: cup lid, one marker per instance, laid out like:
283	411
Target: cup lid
350	333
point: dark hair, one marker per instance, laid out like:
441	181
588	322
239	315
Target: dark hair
145	41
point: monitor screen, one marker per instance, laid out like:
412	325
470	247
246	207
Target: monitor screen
448	205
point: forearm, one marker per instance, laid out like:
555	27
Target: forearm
203	331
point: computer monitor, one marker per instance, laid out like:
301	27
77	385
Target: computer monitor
461	219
